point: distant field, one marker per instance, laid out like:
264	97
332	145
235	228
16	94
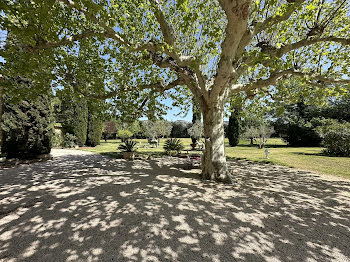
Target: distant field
307	158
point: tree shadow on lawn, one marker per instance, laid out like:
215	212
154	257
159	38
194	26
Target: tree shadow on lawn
256	147
323	154
94	208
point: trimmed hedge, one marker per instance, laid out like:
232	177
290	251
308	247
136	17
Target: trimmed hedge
27	128
75	118
233	130
94	129
337	142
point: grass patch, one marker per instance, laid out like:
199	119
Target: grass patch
307	158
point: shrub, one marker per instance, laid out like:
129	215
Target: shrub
94	130
258	135
69	140
173	144
196	131
109	130
58	138
74	114
303	133
27	127
233	130
124	134
128	146
337	140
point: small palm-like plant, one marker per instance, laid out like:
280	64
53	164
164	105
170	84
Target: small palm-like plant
173	144
128	146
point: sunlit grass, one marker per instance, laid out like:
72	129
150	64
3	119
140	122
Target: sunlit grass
306	158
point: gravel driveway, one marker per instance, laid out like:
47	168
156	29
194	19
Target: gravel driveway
82	206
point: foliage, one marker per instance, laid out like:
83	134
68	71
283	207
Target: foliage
233	129
298	124
337	142
94	129
58	138
173	144
259	134
137	54
27	127
196	130
180	128
69	140
302	133
74	117
338	108
124	134
157	129
109	129
336	137
128	146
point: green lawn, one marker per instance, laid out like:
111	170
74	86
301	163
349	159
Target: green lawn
307	158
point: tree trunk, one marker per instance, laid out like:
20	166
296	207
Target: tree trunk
214	166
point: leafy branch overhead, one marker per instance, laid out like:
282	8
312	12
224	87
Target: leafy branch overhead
138	53
246	40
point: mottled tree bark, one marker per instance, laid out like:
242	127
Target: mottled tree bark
214	166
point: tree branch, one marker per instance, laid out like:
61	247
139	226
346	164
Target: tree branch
64	41
167	31
276	19
168	34
237	13
279	52
110	32
276	76
156	87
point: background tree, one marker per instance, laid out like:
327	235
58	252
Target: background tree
233	129
259	134
180	128
27	126
124	134
109	129
213	48
196	131
94	126
74	117
298	124
157	129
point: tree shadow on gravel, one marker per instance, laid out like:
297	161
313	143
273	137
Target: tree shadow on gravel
94	208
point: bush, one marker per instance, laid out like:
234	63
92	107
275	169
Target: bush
303	133
27	128
74	114
69	140
124	134
128	146
94	130
173	144
196	131
337	140
258	135
58	138
233	130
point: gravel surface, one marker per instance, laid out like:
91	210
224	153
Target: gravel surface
82	206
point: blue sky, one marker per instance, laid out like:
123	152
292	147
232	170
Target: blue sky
172	113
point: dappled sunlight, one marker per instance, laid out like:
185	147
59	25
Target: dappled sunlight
87	207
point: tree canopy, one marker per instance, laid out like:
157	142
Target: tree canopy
144	51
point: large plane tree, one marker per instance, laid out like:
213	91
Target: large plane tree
209	49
